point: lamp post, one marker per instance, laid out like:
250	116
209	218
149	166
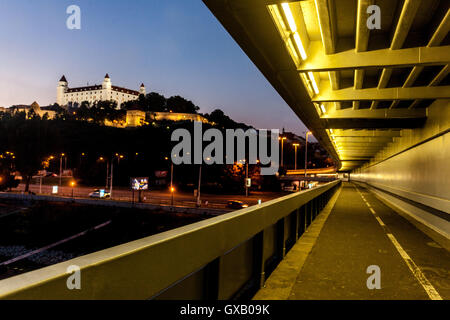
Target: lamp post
246	177
295	162
306	151
60	168
118	157
72	184
172	190
101	159
199	201
282	148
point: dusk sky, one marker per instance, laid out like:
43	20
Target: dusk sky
174	47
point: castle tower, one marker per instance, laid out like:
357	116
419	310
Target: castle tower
107	88
142	90
61	89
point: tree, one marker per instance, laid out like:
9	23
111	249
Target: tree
31	141
181	105
7	179
156	102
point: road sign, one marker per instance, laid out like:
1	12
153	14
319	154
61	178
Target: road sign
55	190
248	182
139	184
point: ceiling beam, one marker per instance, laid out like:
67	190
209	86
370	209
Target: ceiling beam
409	11
318	61
362	139
367	133
361	42
326	94
438	36
375	114
326	17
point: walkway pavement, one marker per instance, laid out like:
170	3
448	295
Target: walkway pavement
362	231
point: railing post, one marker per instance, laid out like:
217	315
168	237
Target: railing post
302	220
297	219
308	213
212	280
280	236
259	258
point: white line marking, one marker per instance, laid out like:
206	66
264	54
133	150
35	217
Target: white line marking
417	273
430	290
380	221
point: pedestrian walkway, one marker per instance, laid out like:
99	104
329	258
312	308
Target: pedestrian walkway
362	231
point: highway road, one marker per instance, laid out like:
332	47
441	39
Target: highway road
158	196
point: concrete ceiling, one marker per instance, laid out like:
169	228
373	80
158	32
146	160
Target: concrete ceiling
354	88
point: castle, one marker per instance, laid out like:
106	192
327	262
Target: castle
66	96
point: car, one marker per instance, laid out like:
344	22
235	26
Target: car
101	194
50	174
236	204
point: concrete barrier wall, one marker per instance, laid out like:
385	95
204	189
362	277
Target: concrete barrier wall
414	170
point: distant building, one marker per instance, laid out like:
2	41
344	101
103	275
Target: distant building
66	96
35	107
136	118
173	116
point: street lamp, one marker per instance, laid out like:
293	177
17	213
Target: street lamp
295	146
282	152
172	190
306	151
101	159
118	157
60	168
199	201
72	184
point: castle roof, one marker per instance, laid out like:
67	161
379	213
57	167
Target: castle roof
142	85
63	78
107	76
79	89
125	90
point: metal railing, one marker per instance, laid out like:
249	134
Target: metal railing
225	257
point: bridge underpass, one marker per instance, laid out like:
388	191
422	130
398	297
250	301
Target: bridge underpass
378	102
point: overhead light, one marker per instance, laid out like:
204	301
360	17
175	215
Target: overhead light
291	47
313	82
300	47
289	17
323	108
331	131
293	26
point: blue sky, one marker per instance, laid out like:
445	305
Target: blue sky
175	47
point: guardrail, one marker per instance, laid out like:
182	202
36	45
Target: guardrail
225	257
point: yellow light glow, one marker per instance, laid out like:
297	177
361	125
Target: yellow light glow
323	108
289	17
313	82
300	47
291	48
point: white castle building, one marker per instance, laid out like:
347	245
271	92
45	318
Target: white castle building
66	96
